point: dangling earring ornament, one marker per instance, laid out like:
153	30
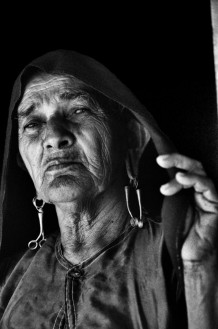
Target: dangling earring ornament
134	221
33	244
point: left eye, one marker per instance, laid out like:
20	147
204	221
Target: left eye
80	110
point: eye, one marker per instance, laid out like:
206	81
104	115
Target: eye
32	126
81	110
77	112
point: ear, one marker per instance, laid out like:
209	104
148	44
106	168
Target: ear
138	138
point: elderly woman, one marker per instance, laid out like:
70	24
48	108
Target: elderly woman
81	134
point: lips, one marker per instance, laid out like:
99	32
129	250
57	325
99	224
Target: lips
60	164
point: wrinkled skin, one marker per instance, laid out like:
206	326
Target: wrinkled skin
66	141
76	161
75	153
201	242
200	248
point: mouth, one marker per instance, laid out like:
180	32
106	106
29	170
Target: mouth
61	165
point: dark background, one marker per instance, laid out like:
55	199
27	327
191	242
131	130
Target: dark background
162	50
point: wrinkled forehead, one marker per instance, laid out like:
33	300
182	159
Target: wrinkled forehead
45	81
43	85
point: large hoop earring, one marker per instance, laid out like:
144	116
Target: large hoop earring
33	244
134	221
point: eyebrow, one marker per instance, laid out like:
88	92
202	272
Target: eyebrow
71	95
25	113
66	95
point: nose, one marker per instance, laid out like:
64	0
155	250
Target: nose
57	136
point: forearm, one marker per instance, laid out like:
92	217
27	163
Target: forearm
201	291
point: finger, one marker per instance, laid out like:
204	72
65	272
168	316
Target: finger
200	184
205	204
181	162
171	188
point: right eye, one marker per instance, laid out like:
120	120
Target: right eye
32	126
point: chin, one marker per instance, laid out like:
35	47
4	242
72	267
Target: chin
65	189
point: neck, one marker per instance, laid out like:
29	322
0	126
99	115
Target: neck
89	226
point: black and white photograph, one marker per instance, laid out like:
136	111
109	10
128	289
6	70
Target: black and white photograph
109	166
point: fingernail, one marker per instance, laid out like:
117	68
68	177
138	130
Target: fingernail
164	157
165	186
180	174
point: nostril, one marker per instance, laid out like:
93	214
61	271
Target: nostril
57	138
56	142
64	143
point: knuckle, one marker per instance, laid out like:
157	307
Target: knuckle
178	158
198	164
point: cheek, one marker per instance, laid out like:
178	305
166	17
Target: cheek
31	158
97	145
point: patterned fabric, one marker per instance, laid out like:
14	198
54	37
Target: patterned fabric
121	286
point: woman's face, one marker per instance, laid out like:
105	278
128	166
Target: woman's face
68	142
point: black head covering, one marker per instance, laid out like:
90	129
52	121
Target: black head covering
17	191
